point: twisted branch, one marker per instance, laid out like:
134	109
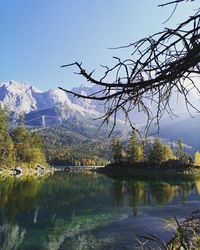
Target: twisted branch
159	65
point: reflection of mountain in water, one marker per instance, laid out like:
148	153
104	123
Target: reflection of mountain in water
67	211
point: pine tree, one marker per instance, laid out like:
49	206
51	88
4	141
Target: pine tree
22	145
183	157
155	156
160	153
27	146
135	151
37	150
117	150
6	144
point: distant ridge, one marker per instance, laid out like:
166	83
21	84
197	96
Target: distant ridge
23	98
54	106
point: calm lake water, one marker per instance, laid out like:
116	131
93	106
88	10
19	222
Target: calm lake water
90	211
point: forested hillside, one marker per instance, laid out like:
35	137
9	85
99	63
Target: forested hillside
78	142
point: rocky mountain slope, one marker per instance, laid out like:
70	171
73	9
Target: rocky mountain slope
23	98
54	107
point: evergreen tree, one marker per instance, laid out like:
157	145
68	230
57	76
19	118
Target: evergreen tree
28	147
160	153
37	149
135	151
22	144
117	150
6	144
155	156
183	157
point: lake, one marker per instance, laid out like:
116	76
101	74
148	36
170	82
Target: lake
85	210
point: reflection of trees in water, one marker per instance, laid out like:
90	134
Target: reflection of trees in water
117	192
163	192
197	182
184	189
38	204
17	196
137	194
63	209
132	192
65	190
147	192
11	237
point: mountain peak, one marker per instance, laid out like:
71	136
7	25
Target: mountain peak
18	87
21	97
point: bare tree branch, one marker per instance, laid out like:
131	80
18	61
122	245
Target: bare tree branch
159	65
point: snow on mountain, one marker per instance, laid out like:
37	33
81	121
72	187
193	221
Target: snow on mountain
86	103
17	97
24	98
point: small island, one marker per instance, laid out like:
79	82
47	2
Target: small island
149	157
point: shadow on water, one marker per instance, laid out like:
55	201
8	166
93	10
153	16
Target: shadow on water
90	211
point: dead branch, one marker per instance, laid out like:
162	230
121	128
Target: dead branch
159	65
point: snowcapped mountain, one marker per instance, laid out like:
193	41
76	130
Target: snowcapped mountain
23	98
58	106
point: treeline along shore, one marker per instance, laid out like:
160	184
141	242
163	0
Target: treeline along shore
140	157
20	150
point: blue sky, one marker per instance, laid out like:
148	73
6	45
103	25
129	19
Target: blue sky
38	36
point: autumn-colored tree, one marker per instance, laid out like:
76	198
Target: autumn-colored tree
197	159
27	147
167	153
160	153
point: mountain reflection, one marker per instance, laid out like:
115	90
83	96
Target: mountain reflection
69	210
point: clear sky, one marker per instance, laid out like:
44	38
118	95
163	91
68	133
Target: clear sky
38	36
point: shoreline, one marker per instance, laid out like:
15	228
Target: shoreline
24	171
145	170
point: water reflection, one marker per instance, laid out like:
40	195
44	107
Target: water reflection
151	192
76	211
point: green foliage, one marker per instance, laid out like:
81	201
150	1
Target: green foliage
135	152
18	147
70	145
160	153
22	147
155	155
27	147
117	150
181	154
6	144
